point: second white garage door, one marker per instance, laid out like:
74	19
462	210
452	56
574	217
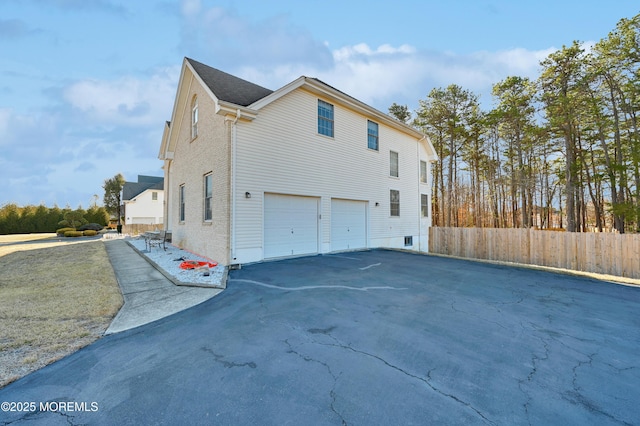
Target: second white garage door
290	225
348	224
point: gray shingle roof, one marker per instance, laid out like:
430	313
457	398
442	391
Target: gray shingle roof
227	87
130	190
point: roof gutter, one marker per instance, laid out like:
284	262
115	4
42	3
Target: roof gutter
240	112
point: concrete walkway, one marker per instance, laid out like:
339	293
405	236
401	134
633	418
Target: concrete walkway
148	295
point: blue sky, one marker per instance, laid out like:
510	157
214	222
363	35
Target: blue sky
86	85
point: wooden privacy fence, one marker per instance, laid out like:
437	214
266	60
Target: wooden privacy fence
136	229
602	253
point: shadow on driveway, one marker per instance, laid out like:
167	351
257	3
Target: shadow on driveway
378	337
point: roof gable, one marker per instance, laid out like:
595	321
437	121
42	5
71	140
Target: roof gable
242	99
227	87
130	190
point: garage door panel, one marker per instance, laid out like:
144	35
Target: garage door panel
348	224
290	225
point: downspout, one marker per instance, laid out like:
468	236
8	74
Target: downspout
232	165
419	196
167	192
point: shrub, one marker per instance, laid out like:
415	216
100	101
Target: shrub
62	231
89	233
73	234
90	227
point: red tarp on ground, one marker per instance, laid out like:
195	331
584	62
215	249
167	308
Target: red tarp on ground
192	264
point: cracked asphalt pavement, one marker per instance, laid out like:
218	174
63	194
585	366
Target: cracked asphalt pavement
364	338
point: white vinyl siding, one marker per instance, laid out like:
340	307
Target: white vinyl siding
270	160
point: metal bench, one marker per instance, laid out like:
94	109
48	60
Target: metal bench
155	239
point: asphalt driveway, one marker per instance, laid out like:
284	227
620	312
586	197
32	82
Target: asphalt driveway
363	338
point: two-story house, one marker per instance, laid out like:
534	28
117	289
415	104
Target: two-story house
143	201
254	174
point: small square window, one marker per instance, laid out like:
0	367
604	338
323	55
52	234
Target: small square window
394	202
372	135
325	118
408	241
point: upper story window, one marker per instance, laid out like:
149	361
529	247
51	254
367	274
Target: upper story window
154	196
181	203
325	118
424	205
208	197
393	164
194	117
423	171
372	135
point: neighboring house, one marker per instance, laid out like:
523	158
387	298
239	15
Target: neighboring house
254	174
144	201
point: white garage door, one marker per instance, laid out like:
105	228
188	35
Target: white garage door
290	225
143	220
348	224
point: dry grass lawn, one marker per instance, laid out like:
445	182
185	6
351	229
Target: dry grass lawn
56	296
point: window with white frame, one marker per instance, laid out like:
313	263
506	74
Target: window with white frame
394	202
325	118
181	202
393	164
208	197
154	196
372	135
424	205
194	117
423	171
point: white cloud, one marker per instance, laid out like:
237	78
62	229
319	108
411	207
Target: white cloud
516	61
126	101
363	50
5	115
63	155
223	38
403	74
190	7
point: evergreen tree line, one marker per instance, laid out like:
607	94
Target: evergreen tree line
561	151
33	219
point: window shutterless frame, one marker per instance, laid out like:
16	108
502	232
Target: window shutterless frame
394	202
325	118
208	197
194	117
372	135
181	203
424	205
393	164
